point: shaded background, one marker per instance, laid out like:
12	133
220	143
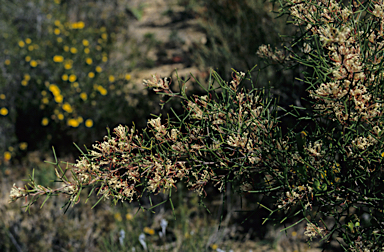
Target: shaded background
69	69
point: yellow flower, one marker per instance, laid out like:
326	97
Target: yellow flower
3	111
382	154
111	78
64	77
214	246
83	96
27	77
103	29
60	116
28	41
2	96
104	58
66	48
91	74
85	42
98	69
33	63
7	62
23	145
72	78
88	123
21	43
98	48
59	39
57	1
45	121
30	48
27	58
73	123
68	65
73	50
102	90
129	216
57	22
104	36
7	155
56	31
58	58
127	77
80	25
88	61
75	85
118	217
59	98
54	89
45	100
67	107
24	82
86	50
149	231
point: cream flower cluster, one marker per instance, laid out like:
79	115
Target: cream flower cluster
239	129
353	76
265	51
16	193
348	96
311	231
157	83
116	163
351	56
126	164
295	196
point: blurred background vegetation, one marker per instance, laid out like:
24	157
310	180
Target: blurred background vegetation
69	69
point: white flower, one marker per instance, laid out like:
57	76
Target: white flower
16	193
312	231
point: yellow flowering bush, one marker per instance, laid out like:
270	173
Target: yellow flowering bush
60	71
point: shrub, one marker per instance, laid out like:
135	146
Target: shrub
58	74
328	172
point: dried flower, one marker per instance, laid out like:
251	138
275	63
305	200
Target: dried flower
312	231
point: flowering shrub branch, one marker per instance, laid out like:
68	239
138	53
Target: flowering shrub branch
215	140
341	46
329	170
